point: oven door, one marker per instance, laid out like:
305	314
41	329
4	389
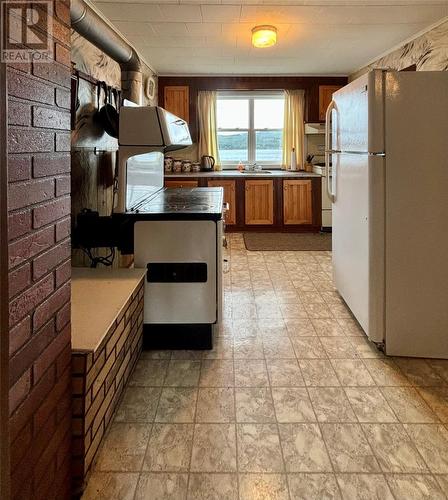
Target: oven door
180	259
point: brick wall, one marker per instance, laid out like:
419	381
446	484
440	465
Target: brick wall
39	260
99	378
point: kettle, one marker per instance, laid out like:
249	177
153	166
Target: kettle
207	163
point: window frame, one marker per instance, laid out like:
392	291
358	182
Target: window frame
251	131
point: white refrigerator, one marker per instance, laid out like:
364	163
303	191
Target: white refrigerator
389	151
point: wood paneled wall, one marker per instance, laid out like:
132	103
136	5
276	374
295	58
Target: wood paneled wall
196	83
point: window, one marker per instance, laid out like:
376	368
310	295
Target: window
250	127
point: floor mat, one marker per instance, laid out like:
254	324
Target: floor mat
287	241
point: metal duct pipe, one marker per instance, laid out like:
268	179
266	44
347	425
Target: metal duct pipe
93	28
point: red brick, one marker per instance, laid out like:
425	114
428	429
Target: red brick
63	229
22	67
53	445
64	359
28	300
19	279
27	87
21	445
39	444
19	335
24	194
51	305
50	259
29	246
28	140
19	223
35	398
56	73
62	55
26	356
19	168
50	165
62	186
50	118
43	413
63	273
63	317
51	212
63	483
63	142
43	489
63	98
19	113
65	403
50	354
19	391
61	32
62	12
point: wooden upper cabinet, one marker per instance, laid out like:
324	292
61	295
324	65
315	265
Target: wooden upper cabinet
180	184
325	96
177	101
259	202
297	202
229	197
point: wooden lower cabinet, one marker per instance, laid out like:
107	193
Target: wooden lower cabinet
297	202
181	184
229	197
259	202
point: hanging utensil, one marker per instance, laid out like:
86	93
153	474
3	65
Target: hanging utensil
108	115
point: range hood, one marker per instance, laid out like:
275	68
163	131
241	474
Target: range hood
314	128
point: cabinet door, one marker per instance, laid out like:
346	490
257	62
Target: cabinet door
297	202
229	197
177	101
325	97
259	202
181	184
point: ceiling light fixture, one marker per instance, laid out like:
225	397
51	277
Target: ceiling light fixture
264	36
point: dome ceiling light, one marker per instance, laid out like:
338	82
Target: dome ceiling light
264	36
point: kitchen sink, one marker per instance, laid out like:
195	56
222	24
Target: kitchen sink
251	172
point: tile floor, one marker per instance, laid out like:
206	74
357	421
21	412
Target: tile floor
292	403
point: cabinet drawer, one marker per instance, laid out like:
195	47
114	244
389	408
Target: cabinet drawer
181	184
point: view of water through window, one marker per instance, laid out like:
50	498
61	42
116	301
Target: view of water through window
250	128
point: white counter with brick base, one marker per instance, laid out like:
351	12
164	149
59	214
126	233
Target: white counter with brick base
107	327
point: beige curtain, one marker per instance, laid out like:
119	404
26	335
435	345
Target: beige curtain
293	128
208	132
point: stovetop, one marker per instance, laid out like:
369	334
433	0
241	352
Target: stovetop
183	201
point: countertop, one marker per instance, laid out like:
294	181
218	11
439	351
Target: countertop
237	173
98	297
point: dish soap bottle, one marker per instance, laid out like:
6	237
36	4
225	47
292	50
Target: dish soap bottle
293	159
240	166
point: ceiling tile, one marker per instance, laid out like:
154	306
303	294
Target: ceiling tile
181	13
130	12
168	29
204	28
221	13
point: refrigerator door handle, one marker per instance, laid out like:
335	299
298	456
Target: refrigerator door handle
328	150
